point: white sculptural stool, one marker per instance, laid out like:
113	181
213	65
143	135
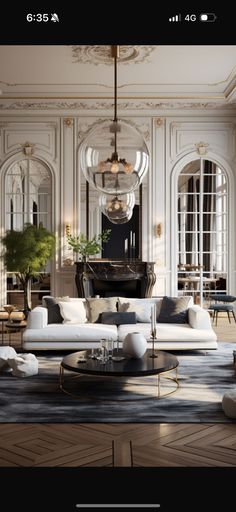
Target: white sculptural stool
229	404
21	365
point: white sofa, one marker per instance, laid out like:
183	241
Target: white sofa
197	334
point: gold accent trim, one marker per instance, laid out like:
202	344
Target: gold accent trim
68	122
159	121
159	376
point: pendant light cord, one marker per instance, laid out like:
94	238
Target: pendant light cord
115	55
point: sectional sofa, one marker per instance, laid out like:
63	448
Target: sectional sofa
82	323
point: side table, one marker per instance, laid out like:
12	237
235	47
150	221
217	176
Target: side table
13	327
4	317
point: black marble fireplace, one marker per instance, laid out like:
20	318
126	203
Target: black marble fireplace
127	278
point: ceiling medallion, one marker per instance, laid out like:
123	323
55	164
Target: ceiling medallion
102	54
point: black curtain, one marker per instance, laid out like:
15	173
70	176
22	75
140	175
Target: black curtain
189	221
35	214
208	202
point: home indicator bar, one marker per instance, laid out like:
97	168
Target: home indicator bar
119	505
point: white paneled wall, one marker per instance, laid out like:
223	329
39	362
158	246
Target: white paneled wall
174	138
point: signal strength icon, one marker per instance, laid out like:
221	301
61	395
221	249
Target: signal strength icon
177	17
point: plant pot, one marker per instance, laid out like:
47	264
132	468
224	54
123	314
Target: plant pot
135	345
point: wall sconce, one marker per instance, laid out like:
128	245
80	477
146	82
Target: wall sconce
68	229
158	230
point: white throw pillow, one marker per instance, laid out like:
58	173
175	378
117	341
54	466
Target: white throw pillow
142	307
73	312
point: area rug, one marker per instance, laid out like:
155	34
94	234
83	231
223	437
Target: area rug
203	379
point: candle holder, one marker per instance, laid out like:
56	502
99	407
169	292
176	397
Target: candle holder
153	338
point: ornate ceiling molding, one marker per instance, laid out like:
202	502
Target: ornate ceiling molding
91	105
102	54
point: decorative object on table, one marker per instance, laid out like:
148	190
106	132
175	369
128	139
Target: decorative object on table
153	329
16	316
135	345
116	353
9	308
85	247
26	254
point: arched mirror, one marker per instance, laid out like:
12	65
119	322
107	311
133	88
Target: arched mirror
126	239
28	199
202	230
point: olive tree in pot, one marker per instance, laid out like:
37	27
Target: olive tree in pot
26	254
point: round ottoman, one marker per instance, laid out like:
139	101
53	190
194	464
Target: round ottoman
229	404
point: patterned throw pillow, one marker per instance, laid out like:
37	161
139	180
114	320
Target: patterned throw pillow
142	308
98	306
174	310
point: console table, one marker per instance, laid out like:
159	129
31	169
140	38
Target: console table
129	278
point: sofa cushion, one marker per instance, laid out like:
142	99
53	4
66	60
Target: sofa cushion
118	318
169	333
54	314
73	312
174	310
98	306
142	307
66	333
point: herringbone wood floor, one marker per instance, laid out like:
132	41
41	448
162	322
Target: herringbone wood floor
127	445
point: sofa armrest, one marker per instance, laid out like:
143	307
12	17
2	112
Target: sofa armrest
199	318
38	318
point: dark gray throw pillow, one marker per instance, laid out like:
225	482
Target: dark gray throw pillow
118	318
174	310
54	315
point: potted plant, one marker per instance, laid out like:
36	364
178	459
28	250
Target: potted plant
85	247
26	254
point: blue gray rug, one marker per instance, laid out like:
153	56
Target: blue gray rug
203	381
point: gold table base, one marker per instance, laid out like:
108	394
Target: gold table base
159	376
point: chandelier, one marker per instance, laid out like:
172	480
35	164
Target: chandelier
118	209
113	156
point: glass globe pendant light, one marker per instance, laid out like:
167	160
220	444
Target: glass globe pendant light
114	148
118	209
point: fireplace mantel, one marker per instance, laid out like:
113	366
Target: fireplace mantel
129	278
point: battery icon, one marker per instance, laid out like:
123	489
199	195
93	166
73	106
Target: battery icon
208	16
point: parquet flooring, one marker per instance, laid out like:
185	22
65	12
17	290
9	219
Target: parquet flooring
112	445
121	445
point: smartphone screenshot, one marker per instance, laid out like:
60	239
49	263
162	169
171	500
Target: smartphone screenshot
118	259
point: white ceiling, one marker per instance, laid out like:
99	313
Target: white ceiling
167	73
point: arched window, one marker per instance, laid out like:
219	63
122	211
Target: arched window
28	199
202	230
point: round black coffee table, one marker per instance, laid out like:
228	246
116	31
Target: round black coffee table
143	367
